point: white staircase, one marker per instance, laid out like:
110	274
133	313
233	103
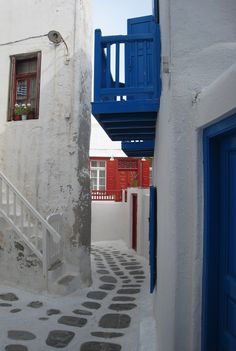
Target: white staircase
36	233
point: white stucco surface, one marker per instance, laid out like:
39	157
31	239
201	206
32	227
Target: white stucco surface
212	104
47	158
113	220
109	221
198	41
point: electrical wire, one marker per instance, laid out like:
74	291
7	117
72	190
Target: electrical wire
28	38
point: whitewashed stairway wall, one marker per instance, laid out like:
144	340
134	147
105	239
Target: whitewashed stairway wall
44	241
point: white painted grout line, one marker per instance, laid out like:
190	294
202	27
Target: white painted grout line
147	335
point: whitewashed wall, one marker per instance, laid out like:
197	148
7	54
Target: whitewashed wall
113	221
198	40
47	159
110	221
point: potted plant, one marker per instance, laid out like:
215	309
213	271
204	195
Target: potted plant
24	112
18	112
30	111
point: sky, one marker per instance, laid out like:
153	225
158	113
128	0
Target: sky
111	17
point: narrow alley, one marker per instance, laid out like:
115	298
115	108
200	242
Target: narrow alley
112	315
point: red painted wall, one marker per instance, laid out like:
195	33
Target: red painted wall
122	173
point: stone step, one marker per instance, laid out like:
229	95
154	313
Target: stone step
63	279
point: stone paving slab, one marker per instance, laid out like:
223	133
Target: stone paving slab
99	346
20	335
16	347
59	338
115	321
88	320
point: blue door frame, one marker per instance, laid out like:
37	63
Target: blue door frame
212	137
153	237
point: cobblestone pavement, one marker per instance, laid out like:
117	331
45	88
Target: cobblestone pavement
104	317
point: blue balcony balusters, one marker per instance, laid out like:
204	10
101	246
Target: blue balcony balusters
128	110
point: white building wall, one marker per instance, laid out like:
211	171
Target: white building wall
109	221
113	221
47	158
144	223
198	40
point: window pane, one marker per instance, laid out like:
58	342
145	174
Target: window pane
102	181
21	89
94	184
102	163
93	163
101	174
32	94
33	66
102	187
93	173
26	66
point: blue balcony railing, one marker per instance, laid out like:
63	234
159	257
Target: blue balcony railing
127	80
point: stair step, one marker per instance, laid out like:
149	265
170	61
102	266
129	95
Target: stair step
66	284
66	279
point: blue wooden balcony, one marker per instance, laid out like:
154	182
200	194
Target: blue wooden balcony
138	148
127	82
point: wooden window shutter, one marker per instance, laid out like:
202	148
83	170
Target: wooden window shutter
145	174
39	55
12	88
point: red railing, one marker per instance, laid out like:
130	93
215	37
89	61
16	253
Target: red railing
106	195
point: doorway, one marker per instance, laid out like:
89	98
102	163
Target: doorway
219	274
134	220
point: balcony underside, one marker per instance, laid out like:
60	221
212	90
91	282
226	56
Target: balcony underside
142	148
127	120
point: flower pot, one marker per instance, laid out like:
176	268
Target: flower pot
30	115
17	118
24	117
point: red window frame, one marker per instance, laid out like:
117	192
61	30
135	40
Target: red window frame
26	76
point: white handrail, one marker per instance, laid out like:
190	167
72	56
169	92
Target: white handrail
52	231
25	220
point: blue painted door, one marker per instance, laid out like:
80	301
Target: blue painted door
141	63
153	236
227	247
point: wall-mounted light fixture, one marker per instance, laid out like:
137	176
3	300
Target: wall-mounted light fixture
56	38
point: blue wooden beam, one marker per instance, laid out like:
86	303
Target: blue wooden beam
148	105
129	117
113	39
138	148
